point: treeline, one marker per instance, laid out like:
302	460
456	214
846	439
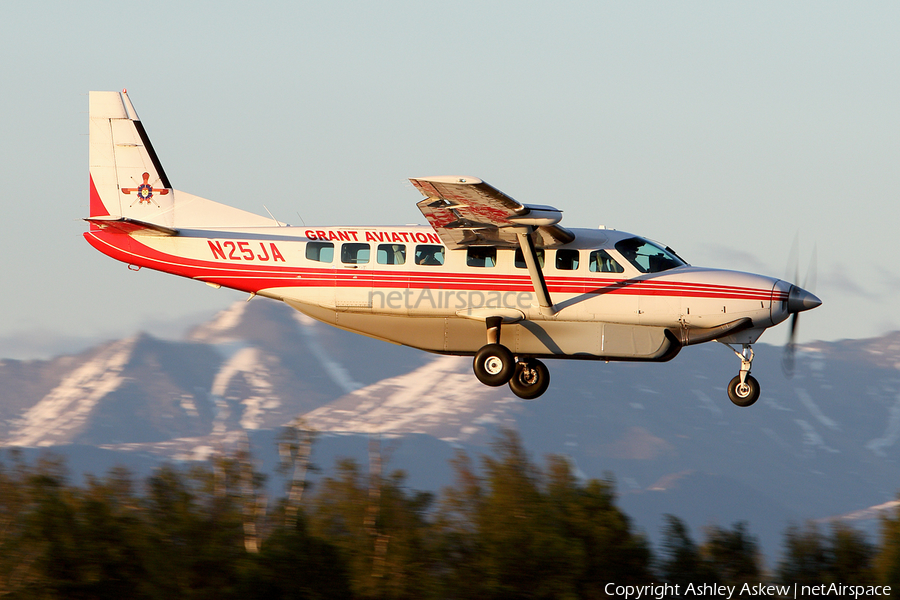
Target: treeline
505	528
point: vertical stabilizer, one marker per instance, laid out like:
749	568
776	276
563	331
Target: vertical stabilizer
127	179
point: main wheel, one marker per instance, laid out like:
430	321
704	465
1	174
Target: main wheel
743	394
530	379
494	365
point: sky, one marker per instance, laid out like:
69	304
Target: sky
729	131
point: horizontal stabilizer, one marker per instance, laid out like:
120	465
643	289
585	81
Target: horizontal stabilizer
131	226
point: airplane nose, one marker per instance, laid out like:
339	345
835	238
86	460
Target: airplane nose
800	300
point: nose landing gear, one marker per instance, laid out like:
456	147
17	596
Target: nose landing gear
743	390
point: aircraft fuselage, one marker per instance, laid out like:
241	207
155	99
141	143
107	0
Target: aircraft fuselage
367	280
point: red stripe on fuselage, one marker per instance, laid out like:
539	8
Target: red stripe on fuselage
256	277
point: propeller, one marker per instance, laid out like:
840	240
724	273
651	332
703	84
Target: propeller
799	300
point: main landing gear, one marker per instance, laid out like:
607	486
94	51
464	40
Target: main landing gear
743	390
530	379
495	365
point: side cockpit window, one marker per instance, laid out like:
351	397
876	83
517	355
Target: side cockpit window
648	257
320	251
601	262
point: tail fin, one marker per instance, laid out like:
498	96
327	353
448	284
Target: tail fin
127	179
128	182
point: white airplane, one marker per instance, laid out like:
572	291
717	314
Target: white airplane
490	278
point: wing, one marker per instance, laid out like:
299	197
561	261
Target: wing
466	211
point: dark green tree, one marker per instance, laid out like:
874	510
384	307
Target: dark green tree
59	541
887	562
295	565
196	529
681	562
381	530
852	556
111	535
732	555
517	532
813	558
17	560
600	543
805	560
50	534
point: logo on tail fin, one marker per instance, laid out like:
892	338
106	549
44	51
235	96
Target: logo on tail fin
144	191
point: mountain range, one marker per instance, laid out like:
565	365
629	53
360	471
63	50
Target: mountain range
819	446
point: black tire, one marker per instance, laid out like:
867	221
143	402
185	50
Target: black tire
744	395
494	365
530	379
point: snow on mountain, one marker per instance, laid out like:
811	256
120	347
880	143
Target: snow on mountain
139	388
441	399
65	410
223	327
24	382
258	398
339	374
253	366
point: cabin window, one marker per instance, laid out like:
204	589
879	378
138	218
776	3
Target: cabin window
481	256
391	254
567	260
647	257
520	259
355	254
601	262
320	251
429	255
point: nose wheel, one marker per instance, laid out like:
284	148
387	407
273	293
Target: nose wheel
743	390
743	393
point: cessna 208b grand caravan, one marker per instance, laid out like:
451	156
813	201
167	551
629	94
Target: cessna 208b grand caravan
490	278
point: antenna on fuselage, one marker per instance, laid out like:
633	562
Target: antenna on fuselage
277	224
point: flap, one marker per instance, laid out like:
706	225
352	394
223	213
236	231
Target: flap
466	211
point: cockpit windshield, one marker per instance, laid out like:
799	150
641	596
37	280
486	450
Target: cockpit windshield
647	257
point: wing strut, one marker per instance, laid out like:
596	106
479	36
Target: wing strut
534	270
